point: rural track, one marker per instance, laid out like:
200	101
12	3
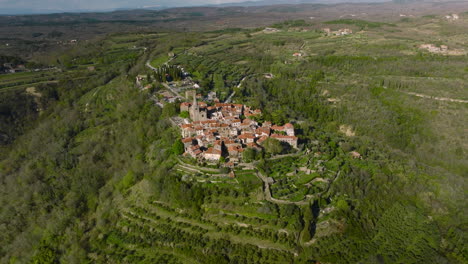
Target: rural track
437	98
268	196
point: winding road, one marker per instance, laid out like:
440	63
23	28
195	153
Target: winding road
268	197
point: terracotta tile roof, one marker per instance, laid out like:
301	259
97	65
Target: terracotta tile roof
193	148
187	140
248	121
263	138
233	148
213	151
277	128
253	145
229	142
264	130
247	136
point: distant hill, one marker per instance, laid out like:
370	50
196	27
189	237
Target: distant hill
32	10
295	2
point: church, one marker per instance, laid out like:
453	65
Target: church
197	112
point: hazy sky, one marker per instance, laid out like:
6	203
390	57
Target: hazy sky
101	4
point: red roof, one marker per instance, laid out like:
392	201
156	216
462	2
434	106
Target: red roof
248	121
233	148
213	151
246	136
277	128
229	142
195	147
187	140
261	130
262	139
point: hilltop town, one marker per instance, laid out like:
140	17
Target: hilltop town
227	130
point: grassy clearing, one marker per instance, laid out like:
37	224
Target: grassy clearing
158	61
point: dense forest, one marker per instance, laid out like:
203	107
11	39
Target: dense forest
90	170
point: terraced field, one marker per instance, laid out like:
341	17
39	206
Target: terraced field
146	226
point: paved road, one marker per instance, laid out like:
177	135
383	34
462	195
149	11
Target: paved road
148	63
268	197
285	155
172	90
150	66
262	177
240	83
196	170
199	169
229	98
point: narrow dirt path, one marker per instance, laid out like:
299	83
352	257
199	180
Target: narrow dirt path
437	98
268	197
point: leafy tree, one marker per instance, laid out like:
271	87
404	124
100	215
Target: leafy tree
128	180
178	147
249	154
184	114
272	146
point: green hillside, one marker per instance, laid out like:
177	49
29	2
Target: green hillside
89	173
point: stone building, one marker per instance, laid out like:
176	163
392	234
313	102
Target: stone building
197	113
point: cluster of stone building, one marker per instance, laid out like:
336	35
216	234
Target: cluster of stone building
226	130
340	32
433	48
452	17
11	68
